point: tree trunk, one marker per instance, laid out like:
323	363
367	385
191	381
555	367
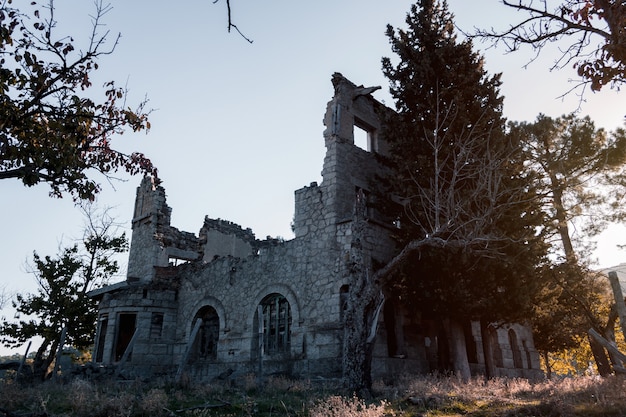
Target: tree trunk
359	336
561	218
546	360
490	366
609	335
443	347
365	300
42	362
599	355
458	351
620	306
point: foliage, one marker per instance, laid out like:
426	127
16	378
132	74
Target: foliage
580	177
580	173
63	283
573	301
338	406
51	129
593	30
467	211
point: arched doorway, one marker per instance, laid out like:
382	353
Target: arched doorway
205	346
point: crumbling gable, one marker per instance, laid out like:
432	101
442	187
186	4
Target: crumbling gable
223	302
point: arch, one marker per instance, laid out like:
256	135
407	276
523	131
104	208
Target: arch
205	345
206	301
283	290
272	333
495	343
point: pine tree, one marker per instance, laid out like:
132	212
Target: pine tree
460	179
581	174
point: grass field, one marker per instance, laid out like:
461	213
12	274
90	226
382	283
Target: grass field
414	396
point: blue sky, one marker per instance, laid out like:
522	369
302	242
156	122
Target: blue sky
237	127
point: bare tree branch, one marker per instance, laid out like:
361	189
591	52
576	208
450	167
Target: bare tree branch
577	23
231	25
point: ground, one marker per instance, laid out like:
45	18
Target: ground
426	396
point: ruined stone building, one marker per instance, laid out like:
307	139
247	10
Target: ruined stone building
243	305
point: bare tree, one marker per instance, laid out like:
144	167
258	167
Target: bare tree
592	32
468	193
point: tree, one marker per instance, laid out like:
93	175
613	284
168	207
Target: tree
580	177
62	301
573	300
461	191
4	296
459	176
593	30
51	129
580	174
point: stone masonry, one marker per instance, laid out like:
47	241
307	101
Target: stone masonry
223	302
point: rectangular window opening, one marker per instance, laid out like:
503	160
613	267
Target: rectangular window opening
361	138
156	325
364	136
101	337
125	331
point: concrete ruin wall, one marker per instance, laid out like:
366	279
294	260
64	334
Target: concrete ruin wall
228	281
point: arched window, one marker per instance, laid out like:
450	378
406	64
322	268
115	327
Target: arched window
497	350
517	354
276	324
208	334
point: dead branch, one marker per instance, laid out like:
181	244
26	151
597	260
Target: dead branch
205	406
231	25
577	24
611	348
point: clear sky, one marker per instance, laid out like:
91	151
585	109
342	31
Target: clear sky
237	127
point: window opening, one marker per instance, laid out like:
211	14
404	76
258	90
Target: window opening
495	343
103	325
361	138
209	333
125	331
174	261
156	325
470	343
364	135
276	321
517	354
528	358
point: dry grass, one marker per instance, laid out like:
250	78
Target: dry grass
409	397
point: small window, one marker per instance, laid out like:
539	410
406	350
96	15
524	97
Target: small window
361	138
364	136
156	325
